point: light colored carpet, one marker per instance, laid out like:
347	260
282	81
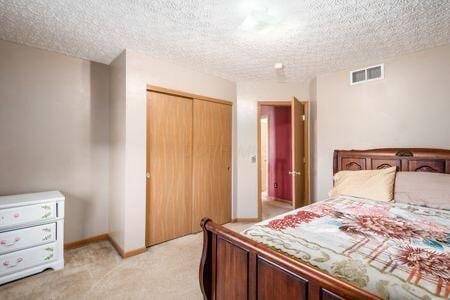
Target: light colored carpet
272	208
96	271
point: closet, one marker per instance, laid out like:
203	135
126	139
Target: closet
188	163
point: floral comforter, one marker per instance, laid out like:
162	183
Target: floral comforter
393	250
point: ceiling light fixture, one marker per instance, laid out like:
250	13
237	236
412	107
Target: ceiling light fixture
260	18
265	21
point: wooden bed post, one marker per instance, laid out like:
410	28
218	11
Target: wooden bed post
205	271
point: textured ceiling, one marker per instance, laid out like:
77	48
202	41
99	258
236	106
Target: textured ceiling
237	40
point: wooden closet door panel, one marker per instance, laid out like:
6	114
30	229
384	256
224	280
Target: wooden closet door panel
169	162
212	163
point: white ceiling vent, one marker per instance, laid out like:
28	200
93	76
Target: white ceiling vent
367	74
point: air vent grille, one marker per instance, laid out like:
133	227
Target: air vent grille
367	74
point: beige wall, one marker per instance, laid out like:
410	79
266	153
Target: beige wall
59	130
140	71
54	132
409	108
248	93
117	148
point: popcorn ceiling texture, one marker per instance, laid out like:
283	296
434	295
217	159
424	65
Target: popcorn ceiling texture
310	37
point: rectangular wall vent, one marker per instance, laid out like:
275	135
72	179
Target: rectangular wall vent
367	74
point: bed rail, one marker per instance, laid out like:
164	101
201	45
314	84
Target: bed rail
235	267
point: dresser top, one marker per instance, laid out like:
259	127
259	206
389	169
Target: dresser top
27	199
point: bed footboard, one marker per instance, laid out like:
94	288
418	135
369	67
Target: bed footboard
235	267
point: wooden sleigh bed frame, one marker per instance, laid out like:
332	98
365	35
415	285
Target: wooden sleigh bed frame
235	267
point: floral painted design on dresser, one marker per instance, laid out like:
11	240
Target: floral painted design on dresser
48	234
395	251
47	211
49	251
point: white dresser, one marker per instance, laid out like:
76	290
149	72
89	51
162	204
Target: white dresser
31	234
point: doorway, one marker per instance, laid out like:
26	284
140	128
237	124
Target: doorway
283	157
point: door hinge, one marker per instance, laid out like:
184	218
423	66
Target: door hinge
303	117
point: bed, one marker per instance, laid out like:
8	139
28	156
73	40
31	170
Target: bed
341	248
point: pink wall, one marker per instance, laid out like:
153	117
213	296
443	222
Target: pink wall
280	182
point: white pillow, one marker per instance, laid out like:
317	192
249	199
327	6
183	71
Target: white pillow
423	188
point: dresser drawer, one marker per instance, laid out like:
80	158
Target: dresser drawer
26	214
24	259
28	237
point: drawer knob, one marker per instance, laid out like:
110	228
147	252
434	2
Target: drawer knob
7	264
4	242
16	215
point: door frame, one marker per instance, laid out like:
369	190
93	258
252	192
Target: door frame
266	165
307	143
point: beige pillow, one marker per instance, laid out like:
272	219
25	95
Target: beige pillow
369	184
423	188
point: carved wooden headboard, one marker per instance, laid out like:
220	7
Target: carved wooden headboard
413	160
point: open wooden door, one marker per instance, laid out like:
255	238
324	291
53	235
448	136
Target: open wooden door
298	173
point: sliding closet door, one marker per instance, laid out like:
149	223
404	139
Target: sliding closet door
212	162
169	166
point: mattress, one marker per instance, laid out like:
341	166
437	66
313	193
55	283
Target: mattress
392	250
